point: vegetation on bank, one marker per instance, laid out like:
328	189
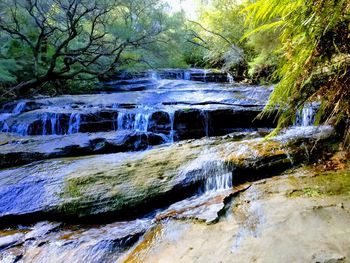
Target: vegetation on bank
66	46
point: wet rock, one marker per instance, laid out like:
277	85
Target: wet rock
16	150
263	224
41	229
44	122
125	184
258	158
10	240
205	207
189	124
196	123
224	121
74	243
99	122
128	85
160	122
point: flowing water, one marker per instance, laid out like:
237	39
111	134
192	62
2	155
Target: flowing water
175	109
306	116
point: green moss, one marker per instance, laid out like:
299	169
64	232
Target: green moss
322	184
125	183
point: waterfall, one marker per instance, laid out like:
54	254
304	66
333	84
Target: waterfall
55	124
187	75
74	123
230	78
5	127
131	121
153	75
141	122
125	121
19	107
172	132
306	116
21	129
205	76
205	116
44	121
218	182
216	175
211	170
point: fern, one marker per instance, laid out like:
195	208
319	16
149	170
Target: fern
313	36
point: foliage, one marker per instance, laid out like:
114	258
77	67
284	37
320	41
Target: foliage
219	32
315	54
50	42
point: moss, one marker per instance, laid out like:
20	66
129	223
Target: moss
325	183
255	150
307	192
125	183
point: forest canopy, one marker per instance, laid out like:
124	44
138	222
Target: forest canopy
55	41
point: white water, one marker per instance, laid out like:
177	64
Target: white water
230	78
74	123
209	167
154	75
206	122
187	75
4	116
172	132
135	122
21	129
19	107
55	124
44	121
218	182
141	122
306	116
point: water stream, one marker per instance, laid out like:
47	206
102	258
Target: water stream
176	108
306	116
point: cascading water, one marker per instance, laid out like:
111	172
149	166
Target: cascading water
218	182
125	121
131	121
4	127
187	75
172	132
141	122
230	78
206	122
74	123
306	116
55	124
20	107
217	177
21	129
153	75
44	122
209	167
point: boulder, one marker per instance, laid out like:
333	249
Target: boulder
160	122
16	150
224	121
189	123
127	184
